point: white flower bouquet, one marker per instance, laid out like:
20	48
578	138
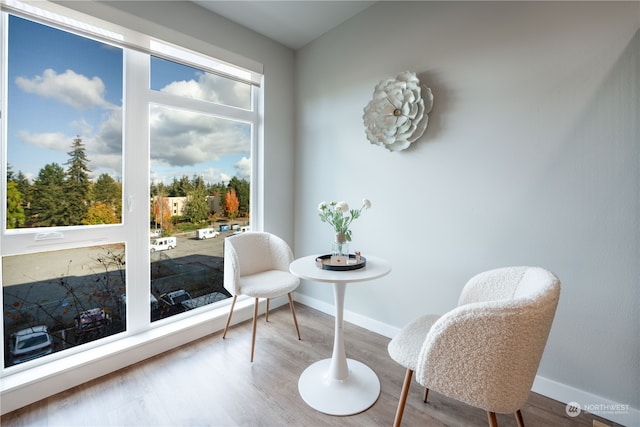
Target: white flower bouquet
339	216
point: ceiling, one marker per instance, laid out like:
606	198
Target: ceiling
291	23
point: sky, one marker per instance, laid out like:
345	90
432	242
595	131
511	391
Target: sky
61	86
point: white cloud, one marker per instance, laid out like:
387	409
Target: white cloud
82	127
56	141
243	168
210	87
183	138
109	137
224	178
214	175
69	88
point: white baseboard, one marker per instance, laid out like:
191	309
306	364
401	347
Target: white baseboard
362	321
620	413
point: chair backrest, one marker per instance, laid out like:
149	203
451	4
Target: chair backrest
486	352
253	252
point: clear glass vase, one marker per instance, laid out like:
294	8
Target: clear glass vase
340	246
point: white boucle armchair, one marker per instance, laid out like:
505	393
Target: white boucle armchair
257	265
486	351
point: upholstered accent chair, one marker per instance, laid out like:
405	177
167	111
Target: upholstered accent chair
485	352
257	265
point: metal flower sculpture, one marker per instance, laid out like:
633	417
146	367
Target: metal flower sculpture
398	113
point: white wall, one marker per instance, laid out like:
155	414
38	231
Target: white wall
531	157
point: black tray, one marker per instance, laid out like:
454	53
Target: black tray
324	262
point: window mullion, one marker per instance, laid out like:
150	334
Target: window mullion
136	191
219	110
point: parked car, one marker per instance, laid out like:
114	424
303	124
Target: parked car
94	320
172	302
175	298
30	343
203	300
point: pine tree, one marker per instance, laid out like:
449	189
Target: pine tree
49	207
106	190
197	208
77	183
26	191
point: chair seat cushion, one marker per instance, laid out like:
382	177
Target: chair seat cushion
268	284
405	347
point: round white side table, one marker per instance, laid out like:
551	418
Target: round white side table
339	386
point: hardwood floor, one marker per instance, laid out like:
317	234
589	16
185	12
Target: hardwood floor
212	383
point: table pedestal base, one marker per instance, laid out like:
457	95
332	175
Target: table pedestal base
350	396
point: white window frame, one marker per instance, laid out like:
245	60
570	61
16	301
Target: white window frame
26	383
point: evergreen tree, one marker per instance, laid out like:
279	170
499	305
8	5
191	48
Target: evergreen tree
25	189
153	189
15	212
77	183
106	191
49	207
179	188
242	190
197	209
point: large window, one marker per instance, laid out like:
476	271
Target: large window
125	169
200	173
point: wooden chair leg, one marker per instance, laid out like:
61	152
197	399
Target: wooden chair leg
403	398
493	421
233	303
293	311
266	312
426	394
519	418
255	321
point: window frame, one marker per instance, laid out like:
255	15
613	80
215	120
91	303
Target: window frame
133	230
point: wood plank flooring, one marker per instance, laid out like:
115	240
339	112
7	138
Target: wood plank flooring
212	383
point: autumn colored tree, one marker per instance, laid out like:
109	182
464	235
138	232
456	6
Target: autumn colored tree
105	193
100	213
242	189
15	212
162	212
231	204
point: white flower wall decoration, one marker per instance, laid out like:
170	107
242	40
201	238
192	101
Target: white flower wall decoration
398	113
